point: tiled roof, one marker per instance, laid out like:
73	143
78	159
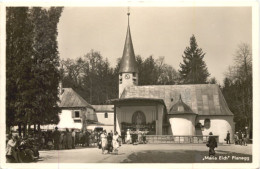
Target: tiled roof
103	108
69	99
203	99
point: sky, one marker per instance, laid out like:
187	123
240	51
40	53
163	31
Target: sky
157	31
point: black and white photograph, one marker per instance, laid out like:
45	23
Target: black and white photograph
129	84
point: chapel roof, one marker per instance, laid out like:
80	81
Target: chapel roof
180	108
128	62
70	99
203	99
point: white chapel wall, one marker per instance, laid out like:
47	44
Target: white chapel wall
219	125
183	125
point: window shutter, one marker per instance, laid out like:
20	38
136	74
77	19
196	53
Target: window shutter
80	114
73	114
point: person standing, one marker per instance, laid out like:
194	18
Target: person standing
61	140
236	138
103	138
68	139
115	143
87	136
212	144
228	137
245	139
10	149
123	136
73	136
109	143
240	137
128	136
56	138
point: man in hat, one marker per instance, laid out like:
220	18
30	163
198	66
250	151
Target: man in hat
212	144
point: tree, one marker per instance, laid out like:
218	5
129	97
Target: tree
32	66
18	61
96	81
193	70
167	75
46	63
213	80
148	74
238	87
92	77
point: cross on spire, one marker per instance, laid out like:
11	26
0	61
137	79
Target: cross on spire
128	13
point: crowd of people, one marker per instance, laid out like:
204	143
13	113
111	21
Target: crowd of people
109	142
21	149
26	149
240	138
134	137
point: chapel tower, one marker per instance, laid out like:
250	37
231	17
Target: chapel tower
128	71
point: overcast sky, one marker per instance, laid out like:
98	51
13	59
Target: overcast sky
162	31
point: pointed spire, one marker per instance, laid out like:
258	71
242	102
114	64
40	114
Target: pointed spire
128	63
180	99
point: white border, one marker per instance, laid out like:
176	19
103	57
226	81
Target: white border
256	79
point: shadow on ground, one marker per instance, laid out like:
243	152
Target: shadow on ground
186	156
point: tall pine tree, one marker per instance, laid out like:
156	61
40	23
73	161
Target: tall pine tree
193	70
32	62
19	42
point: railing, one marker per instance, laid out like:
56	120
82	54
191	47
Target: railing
178	139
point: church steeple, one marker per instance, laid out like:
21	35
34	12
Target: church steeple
128	63
128	71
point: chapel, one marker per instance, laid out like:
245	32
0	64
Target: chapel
179	110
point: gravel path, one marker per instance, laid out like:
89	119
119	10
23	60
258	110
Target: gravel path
151	153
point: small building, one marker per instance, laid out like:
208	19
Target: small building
105	118
75	111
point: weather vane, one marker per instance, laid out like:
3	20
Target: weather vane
128	11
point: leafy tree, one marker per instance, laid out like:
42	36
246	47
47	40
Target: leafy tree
237	87
193	70
92	77
213	80
167	75
99	82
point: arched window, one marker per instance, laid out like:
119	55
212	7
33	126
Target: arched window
138	118
106	115
207	123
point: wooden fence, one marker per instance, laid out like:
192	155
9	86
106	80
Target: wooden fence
178	139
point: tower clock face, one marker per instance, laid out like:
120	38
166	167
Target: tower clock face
127	76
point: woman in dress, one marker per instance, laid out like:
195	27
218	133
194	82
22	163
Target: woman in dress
103	138
128	136
115	142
